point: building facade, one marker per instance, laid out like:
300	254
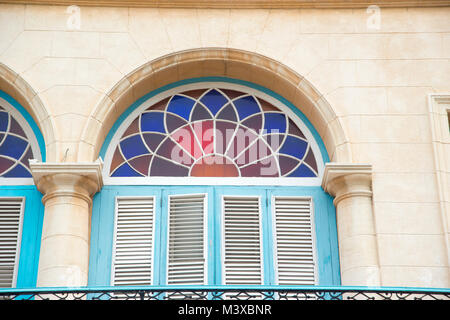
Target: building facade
216	143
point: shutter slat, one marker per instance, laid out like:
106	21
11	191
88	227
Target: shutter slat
295	256
186	261
242	237
10	214
133	241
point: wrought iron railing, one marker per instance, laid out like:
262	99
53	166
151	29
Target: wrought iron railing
226	293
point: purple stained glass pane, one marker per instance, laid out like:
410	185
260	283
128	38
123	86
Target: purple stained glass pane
200	113
152	140
5	164
275	141
141	164
224	134
227	113
264	168
174	122
165	168
16	128
28	155
287	164
254	123
311	160
172	151
294	130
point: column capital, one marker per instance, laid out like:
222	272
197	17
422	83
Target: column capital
81	180
343	180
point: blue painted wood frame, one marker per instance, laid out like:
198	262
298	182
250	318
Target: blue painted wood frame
102	229
30	243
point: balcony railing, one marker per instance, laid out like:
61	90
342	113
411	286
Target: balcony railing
225	293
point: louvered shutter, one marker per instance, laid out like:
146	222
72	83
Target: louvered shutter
242	240
294	241
10	226
186	252
133	247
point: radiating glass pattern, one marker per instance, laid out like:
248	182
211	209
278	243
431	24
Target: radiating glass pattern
15	148
213	132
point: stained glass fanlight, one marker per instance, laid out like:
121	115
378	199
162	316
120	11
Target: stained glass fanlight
15	147
213	132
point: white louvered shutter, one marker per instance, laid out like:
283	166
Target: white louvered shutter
242	240
133	247
186	252
10	220
294	241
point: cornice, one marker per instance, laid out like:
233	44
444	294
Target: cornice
242	4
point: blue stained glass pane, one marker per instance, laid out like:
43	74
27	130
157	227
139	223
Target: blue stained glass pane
302	171
274	123
246	106
152	121
18	172
125	171
181	106
214	100
133	146
294	147
13	147
3	121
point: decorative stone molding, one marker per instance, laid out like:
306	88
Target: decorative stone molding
81	180
439	114
68	189
351	185
269	4
347	180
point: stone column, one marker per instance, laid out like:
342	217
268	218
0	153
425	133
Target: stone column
68	189
351	185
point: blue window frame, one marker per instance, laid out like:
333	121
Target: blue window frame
21	140
136	165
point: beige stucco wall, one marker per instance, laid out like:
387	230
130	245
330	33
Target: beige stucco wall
377	82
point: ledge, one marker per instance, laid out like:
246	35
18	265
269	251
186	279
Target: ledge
248	4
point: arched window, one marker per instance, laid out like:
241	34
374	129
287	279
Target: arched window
21	210
213	182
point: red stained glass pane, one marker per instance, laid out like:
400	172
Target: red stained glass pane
5	164
141	164
132	129
267	107
161	105
214	166
116	160
232	94
185	137
194	93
